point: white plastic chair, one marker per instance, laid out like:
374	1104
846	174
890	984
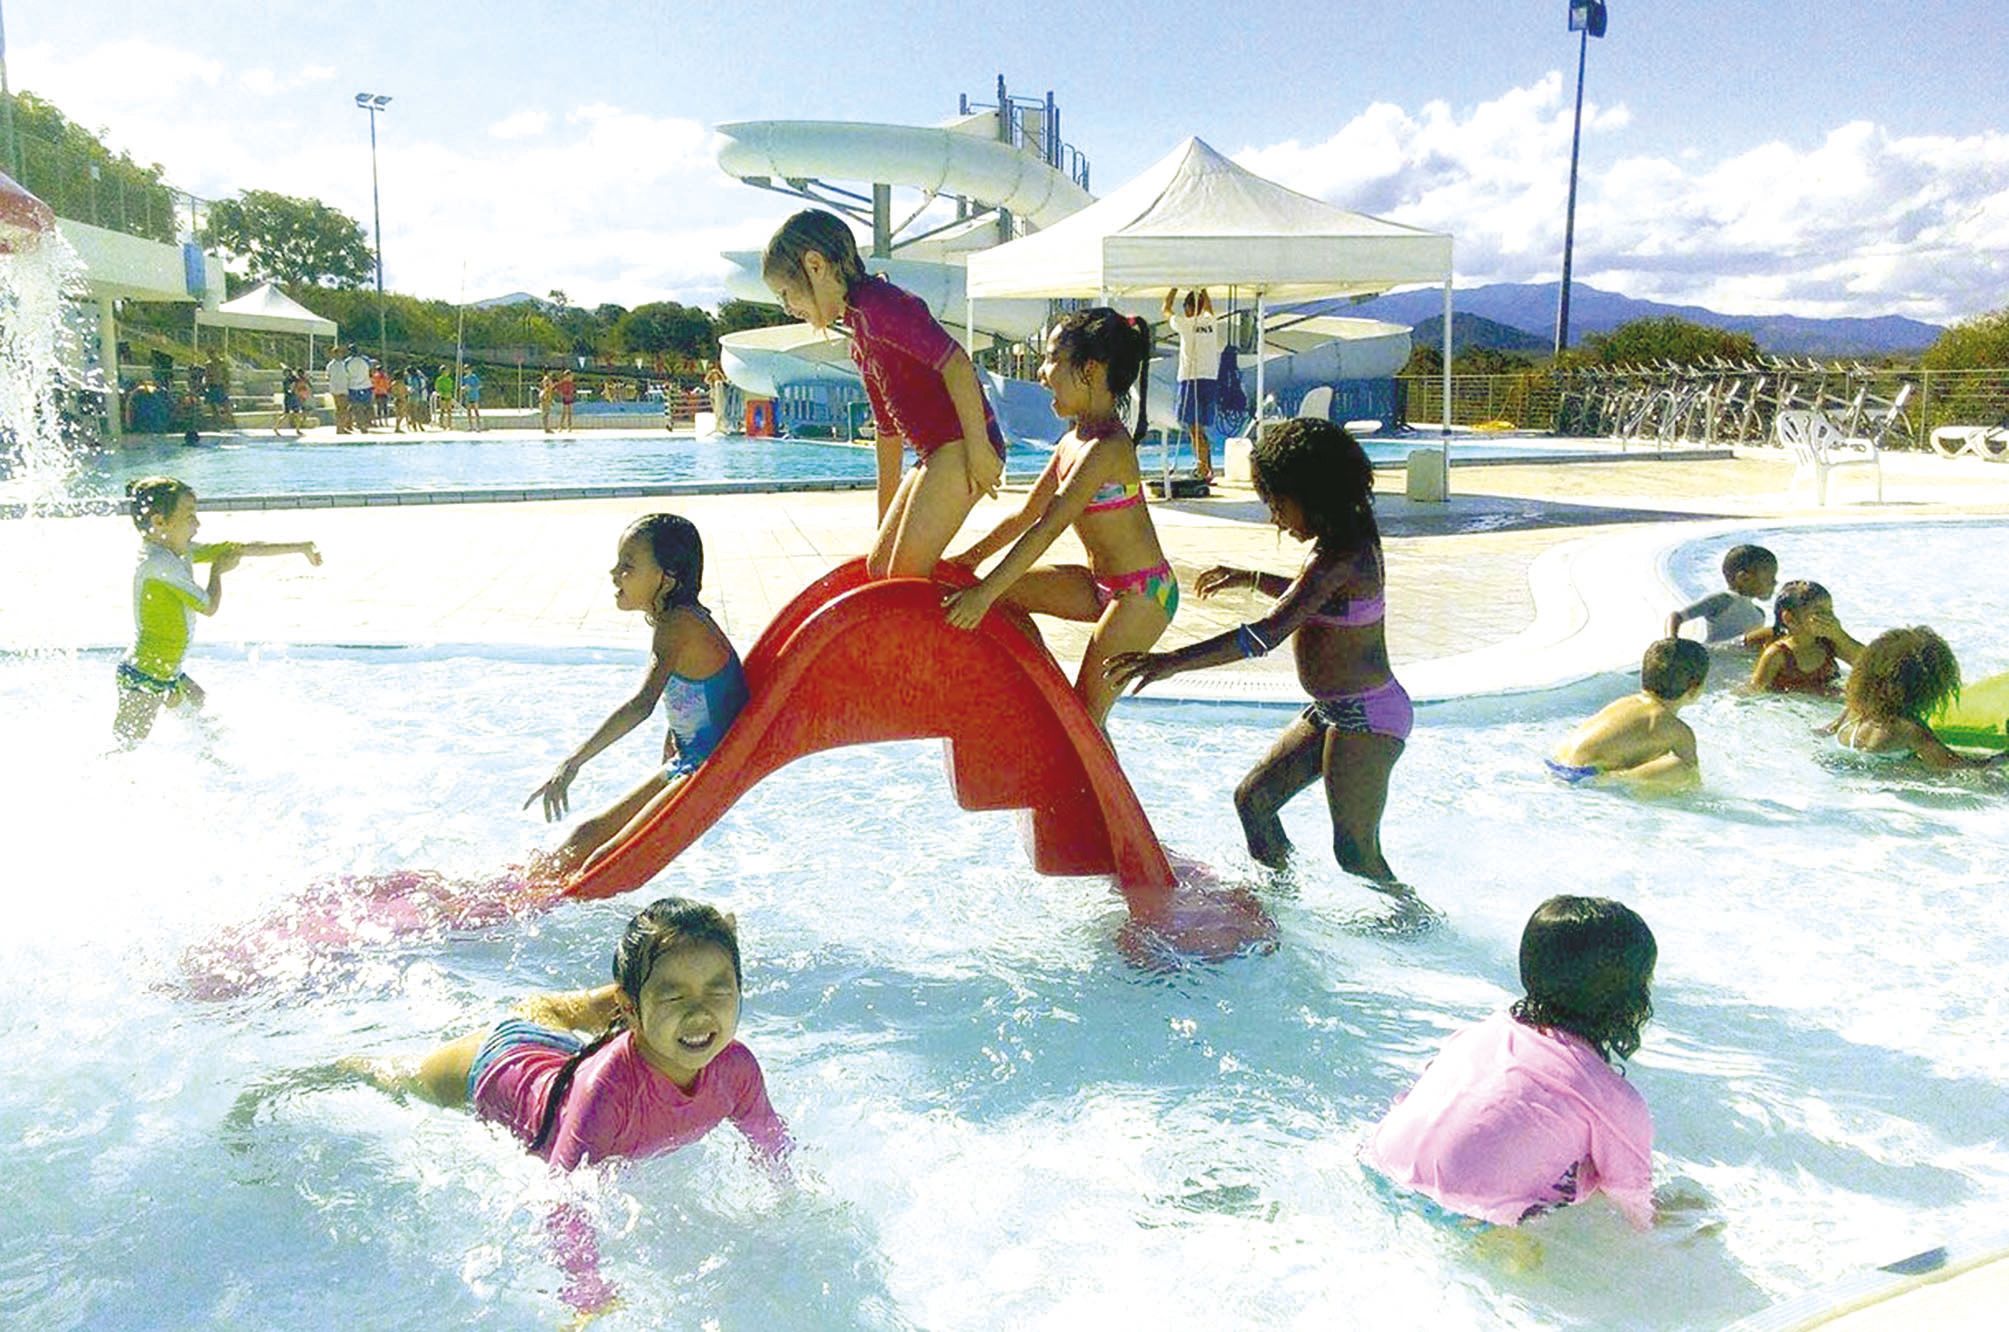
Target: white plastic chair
1990	442
1818	447
1317	404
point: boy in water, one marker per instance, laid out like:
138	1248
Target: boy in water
1639	738
1750	573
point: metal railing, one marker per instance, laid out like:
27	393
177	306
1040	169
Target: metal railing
1724	404
106	191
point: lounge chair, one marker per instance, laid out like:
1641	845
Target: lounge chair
1818	447
1990	442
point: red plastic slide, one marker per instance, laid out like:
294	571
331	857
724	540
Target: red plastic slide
854	661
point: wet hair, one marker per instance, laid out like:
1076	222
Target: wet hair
673	541
1323	469
666	924
1796	596
1747	559
1587	966
156	495
813	231
1121	345
1673	666
1903	673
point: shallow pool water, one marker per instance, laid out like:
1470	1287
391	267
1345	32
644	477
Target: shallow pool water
260	466
1003	1123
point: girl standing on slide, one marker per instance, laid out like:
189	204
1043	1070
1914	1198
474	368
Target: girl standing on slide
922	386
1092	485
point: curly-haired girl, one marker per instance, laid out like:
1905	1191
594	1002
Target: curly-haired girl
1902	678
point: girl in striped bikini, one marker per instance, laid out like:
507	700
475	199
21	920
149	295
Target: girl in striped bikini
1319	487
1092	484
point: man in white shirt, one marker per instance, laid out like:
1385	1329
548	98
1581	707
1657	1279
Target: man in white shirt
338	389
1199	365
360	411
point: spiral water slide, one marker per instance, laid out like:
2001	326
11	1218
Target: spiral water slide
963	159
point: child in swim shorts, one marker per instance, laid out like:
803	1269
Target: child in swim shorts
1639	738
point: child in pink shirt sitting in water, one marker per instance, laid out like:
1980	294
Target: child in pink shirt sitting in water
1525	1111
922	386
663	1072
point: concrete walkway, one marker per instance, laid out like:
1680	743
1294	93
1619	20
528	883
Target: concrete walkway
535	572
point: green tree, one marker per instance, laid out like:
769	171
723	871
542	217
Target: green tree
70	169
666	326
1668	338
736	315
284	239
1980	343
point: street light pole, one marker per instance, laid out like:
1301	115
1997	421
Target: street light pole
373	103
1587	17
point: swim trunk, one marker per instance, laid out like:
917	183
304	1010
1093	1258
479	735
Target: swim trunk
1383	710
132	677
1157	583
1196	402
1570	774
515	1048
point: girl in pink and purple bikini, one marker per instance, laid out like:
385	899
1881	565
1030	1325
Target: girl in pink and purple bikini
1092	484
1319	486
1527	1111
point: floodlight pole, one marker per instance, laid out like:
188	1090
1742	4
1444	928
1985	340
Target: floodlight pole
1587	19
373	103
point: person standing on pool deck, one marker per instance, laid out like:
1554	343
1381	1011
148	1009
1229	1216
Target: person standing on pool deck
567	390
1092	484
338	389
470	397
1319	487
357	372
442	392
166	600
1526	1111
1199	370
922	385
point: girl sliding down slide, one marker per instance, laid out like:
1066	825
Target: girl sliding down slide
658	569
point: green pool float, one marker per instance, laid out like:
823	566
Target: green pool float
1979	718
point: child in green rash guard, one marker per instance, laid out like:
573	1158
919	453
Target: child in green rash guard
166	599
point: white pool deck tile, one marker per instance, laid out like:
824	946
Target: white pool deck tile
1531	575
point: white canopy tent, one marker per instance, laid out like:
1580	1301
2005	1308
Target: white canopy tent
266	309
1196	219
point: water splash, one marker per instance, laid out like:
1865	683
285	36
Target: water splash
39	360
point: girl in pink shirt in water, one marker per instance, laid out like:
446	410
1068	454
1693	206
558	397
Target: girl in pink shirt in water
922	386
1525	1111
663	1070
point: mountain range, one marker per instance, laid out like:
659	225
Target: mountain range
1530	308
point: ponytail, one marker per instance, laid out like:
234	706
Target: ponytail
1145	342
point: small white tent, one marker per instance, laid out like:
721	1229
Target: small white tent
266	309
1196	219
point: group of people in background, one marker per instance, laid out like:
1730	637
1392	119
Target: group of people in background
365	393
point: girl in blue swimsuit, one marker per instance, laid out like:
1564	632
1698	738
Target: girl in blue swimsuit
1319	486
693	669
1092	484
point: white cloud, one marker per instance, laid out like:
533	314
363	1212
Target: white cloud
1864	222
520	125
266	83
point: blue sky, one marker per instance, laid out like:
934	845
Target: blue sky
1825	158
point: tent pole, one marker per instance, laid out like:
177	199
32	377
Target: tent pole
1444	435
1262	341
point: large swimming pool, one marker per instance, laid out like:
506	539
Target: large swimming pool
1003	1124
244	466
